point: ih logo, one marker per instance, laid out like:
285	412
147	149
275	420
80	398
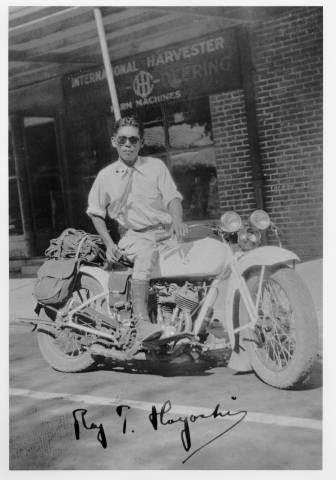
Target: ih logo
143	84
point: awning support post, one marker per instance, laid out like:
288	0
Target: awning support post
107	62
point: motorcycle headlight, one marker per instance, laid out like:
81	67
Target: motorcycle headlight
230	222
248	238
260	219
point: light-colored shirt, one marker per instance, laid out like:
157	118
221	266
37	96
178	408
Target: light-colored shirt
137	196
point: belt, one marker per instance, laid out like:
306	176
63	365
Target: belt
150	227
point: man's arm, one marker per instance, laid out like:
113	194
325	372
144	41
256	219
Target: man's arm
112	251
178	228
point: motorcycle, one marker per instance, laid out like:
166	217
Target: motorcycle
220	282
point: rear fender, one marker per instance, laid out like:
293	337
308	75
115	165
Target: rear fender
100	275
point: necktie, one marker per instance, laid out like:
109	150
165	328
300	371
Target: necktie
121	206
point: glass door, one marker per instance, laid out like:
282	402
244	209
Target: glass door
45	179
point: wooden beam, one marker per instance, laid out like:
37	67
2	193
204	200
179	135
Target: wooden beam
30	14
243	14
21	56
180	31
40	75
201	12
69	19
19	68
74	33
139	28
45	21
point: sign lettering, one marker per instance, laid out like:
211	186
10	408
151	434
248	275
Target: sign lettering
183	71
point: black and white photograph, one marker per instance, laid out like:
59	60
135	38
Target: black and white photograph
165	212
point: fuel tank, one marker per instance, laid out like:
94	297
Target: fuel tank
198	258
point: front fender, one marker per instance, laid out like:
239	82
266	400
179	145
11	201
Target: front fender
266	256
262	256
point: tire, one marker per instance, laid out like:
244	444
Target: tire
282	347
48	337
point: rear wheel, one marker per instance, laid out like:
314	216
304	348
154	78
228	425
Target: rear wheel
283	344
64	349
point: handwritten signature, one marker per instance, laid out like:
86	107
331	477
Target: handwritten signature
157	419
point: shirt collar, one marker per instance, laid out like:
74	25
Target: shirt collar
137	165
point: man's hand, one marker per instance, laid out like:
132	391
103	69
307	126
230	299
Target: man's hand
179	229
113	253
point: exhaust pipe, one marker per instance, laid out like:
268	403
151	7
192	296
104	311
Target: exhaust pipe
73	326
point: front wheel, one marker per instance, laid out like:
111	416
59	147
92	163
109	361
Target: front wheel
282	346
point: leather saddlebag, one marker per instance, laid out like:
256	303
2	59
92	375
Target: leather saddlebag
55	281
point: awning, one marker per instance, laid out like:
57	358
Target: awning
48	42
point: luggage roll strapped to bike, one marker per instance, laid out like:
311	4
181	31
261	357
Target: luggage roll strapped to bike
57	275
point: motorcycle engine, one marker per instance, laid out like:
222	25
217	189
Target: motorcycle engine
186	298
175	304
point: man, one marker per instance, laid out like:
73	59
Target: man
140	194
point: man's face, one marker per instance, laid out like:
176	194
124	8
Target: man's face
128	143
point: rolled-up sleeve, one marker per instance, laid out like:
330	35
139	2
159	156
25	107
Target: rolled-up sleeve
167	186
98	198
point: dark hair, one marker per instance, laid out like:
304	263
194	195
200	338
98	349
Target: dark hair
129	122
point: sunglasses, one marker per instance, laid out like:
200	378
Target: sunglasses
123	139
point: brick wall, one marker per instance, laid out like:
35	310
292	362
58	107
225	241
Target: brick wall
288	62
235	187
287	55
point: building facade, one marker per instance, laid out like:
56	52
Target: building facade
236	115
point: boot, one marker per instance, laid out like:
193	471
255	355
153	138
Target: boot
145	329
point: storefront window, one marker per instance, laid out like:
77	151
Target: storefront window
195	175
154	133
192	157
180	134
154	138
189	124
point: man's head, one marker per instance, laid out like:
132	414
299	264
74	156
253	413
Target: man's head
127	138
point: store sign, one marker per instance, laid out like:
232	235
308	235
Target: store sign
189	70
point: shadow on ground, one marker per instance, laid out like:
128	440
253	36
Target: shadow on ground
200	368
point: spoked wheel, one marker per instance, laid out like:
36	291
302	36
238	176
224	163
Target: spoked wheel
63	348
283	344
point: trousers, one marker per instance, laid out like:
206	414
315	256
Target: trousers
142	249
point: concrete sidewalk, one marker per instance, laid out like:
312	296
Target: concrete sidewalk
22	303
